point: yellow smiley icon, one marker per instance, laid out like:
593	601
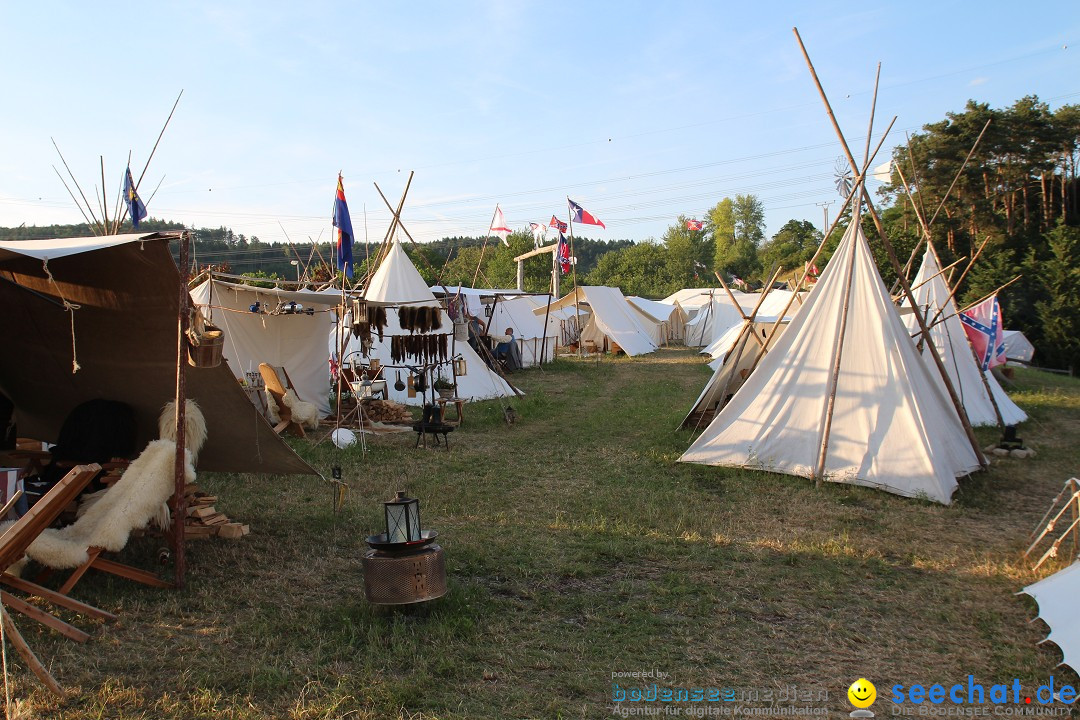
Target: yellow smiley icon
862	693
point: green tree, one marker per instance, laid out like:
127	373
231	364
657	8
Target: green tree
689	255
1058	310
640	269
791	247
722	227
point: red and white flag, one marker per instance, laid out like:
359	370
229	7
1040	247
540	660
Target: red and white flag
695	224
498	226
579	214
562	254
982	323
557	223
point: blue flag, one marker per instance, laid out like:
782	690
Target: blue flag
135	205
343	223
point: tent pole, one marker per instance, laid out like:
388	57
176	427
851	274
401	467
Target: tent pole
573	267
547	314
819	469
813	260
891	252
736	302
179	499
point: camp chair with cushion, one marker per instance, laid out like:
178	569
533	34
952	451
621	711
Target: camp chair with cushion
109	517
14	541
289	411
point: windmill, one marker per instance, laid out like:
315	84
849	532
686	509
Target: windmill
842	177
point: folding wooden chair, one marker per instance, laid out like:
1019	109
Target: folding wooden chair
276	389
13	544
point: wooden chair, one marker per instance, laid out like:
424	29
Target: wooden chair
276	389
13	544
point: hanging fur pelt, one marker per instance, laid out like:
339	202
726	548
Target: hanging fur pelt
138	497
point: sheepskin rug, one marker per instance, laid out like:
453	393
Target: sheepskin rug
138	497
303	413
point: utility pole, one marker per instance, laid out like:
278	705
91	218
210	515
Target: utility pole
825	208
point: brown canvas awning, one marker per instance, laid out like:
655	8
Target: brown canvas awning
127	293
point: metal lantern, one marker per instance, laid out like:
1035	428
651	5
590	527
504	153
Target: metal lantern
405	565
402	519
359	311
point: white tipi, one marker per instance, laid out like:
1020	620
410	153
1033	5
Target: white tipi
892	426
931	292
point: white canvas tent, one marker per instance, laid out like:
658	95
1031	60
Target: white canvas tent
1056	596
932	292
292	340
713	320
892	428
666	322
611	319
734	355
1018	347
511	309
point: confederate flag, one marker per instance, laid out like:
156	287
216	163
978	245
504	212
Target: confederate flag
982	324
557	223
695	224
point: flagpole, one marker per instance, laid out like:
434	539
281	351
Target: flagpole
484	246
573	269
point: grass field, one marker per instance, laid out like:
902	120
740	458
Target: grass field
576	548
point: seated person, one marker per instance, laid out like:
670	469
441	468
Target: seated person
507	350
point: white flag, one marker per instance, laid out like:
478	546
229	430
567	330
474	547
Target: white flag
539	233
498	226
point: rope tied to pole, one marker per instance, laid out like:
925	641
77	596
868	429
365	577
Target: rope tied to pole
69	307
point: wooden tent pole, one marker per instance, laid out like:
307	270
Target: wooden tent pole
483	247
956	285
748	328
573	268
834	377
735	302
179	499
813	260
891	252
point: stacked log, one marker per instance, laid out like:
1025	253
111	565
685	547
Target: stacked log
203	519
387	411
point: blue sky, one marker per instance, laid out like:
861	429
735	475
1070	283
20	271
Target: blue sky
638	111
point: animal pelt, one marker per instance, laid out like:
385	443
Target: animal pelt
303	413
194	425
139	496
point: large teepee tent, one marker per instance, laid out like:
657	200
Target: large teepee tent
932	293
892	426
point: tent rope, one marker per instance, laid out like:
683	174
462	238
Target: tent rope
69	307
7	680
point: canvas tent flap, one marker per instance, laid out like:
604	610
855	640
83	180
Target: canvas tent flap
125	342
1017	346
611	315
63	247
1056	596
893	428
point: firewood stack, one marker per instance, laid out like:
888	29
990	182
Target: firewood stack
204	521
387	411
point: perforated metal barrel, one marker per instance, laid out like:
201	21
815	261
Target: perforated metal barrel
401	579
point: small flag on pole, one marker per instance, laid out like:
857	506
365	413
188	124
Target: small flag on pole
695	225
982	323
579	214
562	254
343	222
538	231
498	226
557	223
135	205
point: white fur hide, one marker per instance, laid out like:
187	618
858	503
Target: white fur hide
139	496
303	413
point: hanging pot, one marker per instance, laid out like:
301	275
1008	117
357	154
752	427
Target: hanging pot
399	385
420	383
